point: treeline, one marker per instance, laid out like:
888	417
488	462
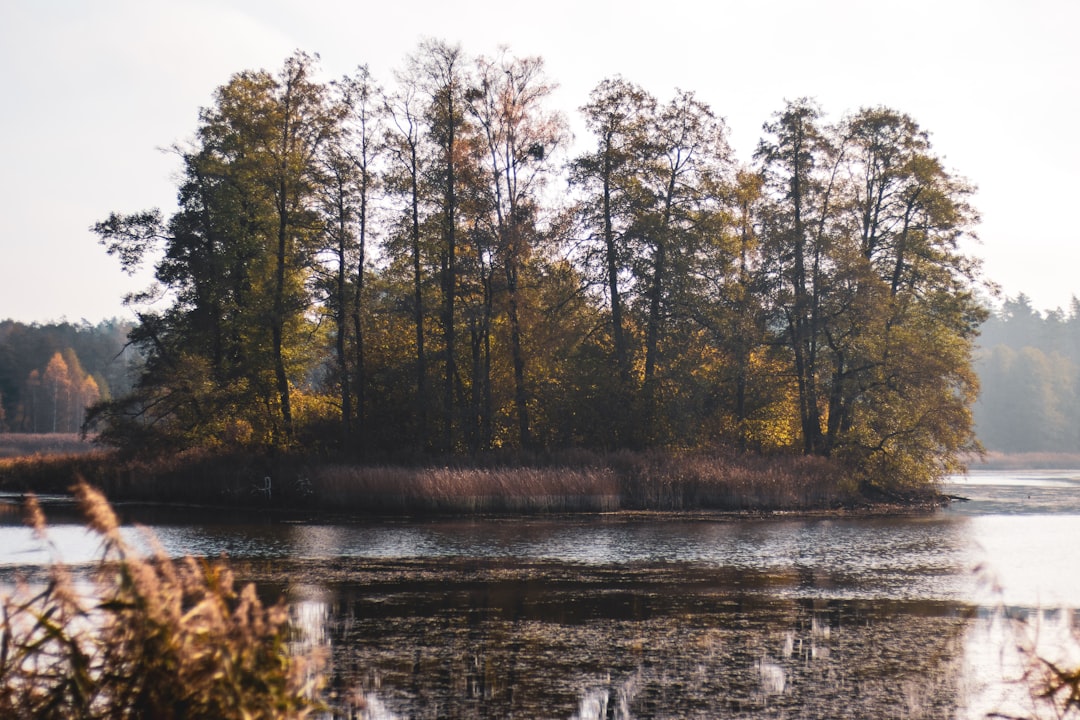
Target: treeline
50	374
1029	366
423	270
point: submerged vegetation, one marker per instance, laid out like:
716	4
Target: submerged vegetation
408	274
149	637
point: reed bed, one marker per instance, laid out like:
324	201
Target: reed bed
728	482
593	483
43	444
564	482
466	490
52	473
150	638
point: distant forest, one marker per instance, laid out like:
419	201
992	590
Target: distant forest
51	373
422	270
1028	364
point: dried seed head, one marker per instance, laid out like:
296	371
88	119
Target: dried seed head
99	515
34	517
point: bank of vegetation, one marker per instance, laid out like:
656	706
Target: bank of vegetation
558	482
424	274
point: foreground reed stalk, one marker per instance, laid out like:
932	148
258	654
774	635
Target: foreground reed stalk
149	637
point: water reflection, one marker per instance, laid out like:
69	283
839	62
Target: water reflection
654	617
529	648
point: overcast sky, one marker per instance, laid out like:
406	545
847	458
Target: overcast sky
94	89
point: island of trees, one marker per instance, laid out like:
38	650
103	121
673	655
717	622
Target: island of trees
424	270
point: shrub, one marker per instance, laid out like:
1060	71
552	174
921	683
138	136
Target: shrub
147	637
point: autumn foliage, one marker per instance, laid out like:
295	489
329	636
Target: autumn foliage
426	271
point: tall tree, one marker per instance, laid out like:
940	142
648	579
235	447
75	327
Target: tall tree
406	178
348	179
442	69
799	166
617	114
681	208
519	137
912	353
237	258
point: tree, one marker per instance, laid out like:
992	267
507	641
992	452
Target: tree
59	393
441	68
877	301
347	182
237	257
680	210
617	114
910	359
518	136
798	164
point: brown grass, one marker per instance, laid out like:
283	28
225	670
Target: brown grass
52	474
153	638
571	481
720	481
13	445
465	490
592	482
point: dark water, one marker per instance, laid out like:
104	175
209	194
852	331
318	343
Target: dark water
662	617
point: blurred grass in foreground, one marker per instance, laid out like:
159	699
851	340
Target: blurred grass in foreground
149	638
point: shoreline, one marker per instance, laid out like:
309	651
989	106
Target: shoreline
1025	461
658	483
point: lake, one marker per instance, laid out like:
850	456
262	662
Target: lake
658	616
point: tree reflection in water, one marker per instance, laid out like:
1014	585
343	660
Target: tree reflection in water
455	639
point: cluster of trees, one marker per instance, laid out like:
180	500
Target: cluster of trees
425	270
1029	365
50	374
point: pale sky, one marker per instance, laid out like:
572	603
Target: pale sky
94	89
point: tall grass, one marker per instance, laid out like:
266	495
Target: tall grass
568	481
41	444
466	490
719	481
149	638
594	482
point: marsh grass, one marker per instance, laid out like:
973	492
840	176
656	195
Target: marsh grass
43	444
52	473
561	482
716	481
585	482
149	637
466	490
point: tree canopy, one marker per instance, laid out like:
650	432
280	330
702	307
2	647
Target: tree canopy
427	269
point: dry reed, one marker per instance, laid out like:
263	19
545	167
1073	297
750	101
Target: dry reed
466	490
43	444
150	638
568	481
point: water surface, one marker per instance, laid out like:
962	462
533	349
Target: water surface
657	616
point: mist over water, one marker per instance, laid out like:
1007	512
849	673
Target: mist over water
662	616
